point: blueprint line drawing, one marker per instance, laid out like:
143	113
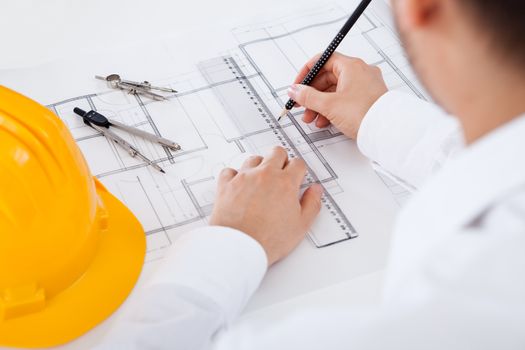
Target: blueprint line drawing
225	111
246	118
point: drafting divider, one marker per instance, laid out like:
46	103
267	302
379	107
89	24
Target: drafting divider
225	111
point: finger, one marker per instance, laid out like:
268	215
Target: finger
311	204
306	68
332	65
322	121
323	81
325	84
226	175
297	169
309	116
310	98
277	158
251	162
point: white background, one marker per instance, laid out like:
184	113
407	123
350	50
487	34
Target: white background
33	32
37	31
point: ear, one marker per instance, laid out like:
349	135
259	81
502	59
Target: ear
413	14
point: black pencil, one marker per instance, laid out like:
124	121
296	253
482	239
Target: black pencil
329	51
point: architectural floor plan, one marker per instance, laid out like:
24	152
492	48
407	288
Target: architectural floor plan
225	111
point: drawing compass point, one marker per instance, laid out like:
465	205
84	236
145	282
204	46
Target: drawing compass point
102	124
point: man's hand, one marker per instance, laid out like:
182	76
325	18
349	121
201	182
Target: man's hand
262	200
341	94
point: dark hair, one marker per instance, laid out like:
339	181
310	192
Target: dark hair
504	22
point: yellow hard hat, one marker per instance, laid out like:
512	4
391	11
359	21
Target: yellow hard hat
70	252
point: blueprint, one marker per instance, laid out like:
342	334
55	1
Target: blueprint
225	111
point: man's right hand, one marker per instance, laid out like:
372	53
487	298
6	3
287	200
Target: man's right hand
341	94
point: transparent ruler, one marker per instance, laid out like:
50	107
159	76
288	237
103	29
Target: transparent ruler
259	129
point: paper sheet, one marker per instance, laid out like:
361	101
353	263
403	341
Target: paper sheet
218	124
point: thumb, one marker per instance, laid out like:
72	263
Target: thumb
311	98
311	203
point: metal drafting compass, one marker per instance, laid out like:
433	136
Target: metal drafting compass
134	87
102	124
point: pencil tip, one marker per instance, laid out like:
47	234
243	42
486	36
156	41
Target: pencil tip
162	171
283	113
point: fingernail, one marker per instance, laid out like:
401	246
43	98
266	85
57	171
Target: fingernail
293	90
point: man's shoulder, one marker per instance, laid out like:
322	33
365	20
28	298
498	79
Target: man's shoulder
507	215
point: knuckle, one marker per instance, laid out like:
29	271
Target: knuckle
264	176
357	62
280	151
226	172
347	58
241	177
376	71
253	159
338	57
299	163
264	172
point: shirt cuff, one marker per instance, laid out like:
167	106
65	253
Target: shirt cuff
381	120
220	263
409	137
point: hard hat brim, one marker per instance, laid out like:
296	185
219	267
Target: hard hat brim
96	295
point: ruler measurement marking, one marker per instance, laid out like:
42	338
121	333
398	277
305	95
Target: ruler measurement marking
339	218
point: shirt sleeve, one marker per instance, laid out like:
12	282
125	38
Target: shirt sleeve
202	285
469	296
408	137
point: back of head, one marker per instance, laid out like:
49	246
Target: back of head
504	22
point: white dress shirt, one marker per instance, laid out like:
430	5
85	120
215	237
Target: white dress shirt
456	274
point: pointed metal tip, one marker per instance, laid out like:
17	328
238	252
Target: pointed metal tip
162	171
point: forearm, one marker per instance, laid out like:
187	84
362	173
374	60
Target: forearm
203	284
409	137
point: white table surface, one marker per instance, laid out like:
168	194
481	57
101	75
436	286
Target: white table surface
33	32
